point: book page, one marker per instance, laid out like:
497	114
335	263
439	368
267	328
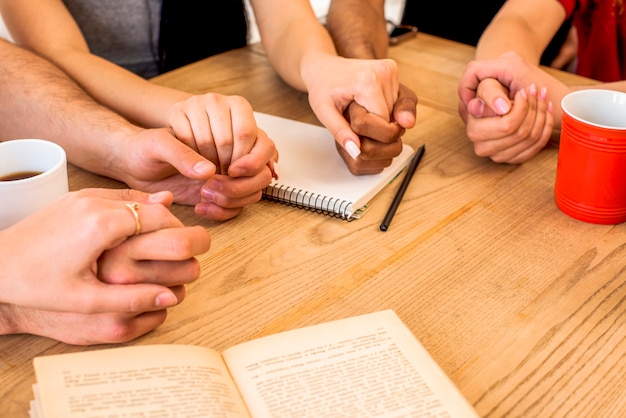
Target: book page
313	174
365	366
138	381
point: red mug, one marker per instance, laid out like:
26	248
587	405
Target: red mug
591	170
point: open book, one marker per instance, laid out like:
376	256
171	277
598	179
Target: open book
314	176
368	365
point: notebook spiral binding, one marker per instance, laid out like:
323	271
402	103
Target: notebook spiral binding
303	199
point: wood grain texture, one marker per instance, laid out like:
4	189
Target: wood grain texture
522	306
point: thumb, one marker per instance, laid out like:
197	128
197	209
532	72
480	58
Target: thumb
405	107
184	159
495	97
341	131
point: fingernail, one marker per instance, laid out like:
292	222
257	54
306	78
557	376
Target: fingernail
165	300
543	93
502	106
481	107
523	93
532	89
352	149
550	107
207	194
275	170
202	167
202	209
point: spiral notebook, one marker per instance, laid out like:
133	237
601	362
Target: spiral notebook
314	177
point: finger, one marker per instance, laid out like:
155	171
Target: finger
164	257
340	129
497	127
373	96
540	133
94	296
181	126
108	222
165	273
362	166
387	70
262	154
495	96
170	150
372	126
476	107
231	192
217	145
134	327
226	200
164	198
520	139
202	131
378	151
171	244
468	84
215	212
144	218
541	112
478	70
404	110
244	127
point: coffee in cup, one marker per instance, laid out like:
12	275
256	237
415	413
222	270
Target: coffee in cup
33	174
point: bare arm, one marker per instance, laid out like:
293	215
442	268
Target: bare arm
39	101
523	26
59	39
302	52
358	28
220	128
293	39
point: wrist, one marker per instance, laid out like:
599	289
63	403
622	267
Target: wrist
313	65
117	162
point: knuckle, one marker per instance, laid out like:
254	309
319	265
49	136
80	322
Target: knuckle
483	150
358	124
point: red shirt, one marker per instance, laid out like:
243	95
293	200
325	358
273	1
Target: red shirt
601	38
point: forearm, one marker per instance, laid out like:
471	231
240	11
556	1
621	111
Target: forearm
503	35
358	28
128	94
293	44
60	40
38	101
523	26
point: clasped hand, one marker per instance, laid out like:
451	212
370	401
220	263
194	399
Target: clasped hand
107	284
213	156
507	105
362	103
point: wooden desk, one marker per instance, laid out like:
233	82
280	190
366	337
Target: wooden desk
522	306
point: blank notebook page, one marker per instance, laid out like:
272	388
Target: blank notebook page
313	175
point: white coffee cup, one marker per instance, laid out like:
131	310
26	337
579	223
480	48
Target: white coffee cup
22	197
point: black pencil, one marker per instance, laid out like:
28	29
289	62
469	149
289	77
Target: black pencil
405	183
